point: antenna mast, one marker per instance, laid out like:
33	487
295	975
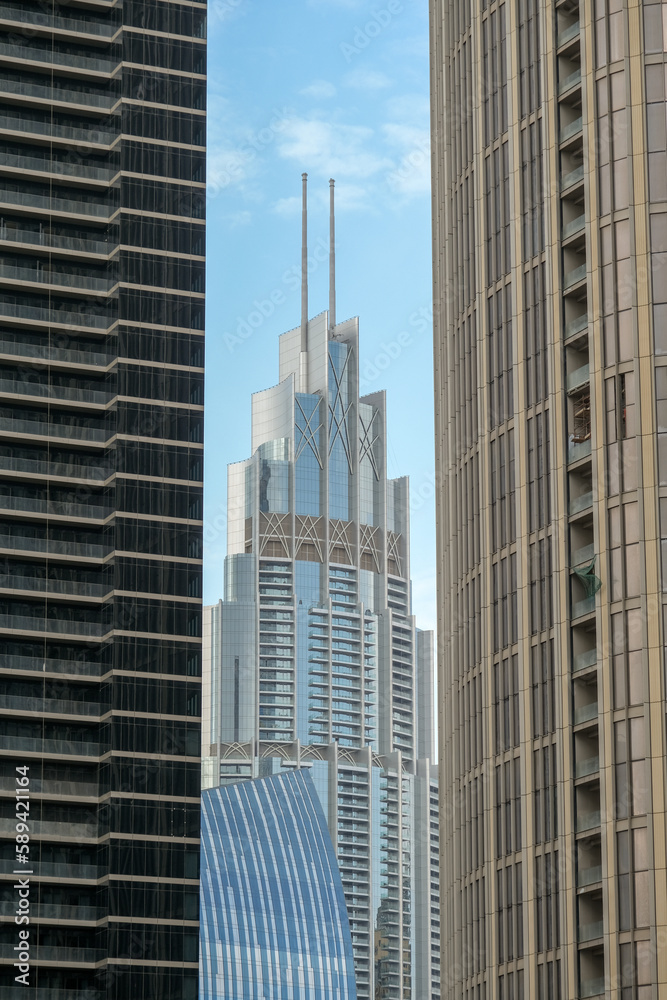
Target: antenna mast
332	260
304	264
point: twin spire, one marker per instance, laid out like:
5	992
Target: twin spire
304	262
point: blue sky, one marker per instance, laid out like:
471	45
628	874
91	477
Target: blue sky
336	88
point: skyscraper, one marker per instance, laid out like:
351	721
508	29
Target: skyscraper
101	351
315	658
550	232
274	920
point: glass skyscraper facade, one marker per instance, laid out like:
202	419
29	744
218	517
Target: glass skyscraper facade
313	657
274	922
550	240
101	351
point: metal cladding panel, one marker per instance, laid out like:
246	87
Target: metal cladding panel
236	508
317	353
273	413
274	921
289	351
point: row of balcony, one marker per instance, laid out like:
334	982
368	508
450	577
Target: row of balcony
46	666
84	320
46	953
97	138
55	393
19	277
99	436
55	626
53	509
50	706
45	352
22	52
53	911
54	95
44	239
44	22
584	582
59	748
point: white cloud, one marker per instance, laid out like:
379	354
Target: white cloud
287	206
406	137
238	219
237	153
409	108
225	167
411	175
366	79
351	196
349	4
332	150
348	197
319	90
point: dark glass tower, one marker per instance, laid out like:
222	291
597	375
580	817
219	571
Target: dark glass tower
101	354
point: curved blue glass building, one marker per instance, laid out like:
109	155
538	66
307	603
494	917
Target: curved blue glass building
274	923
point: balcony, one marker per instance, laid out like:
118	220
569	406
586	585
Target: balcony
61	168
572	179
576	326
578	504
50	789
58	95
584	768
55	508
46	993
570	130
568	34
56	22
40	276
592	988
589	876
40	428
55	205
57	317
583	555
571	81
20	349
574	227
76	629
68	956
583	607
54	393
590	931
46	666
69	133
573	277
51	241
24	53
59	747
578	450
50	706
585	713
47	869
54	911
588	820
584	660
